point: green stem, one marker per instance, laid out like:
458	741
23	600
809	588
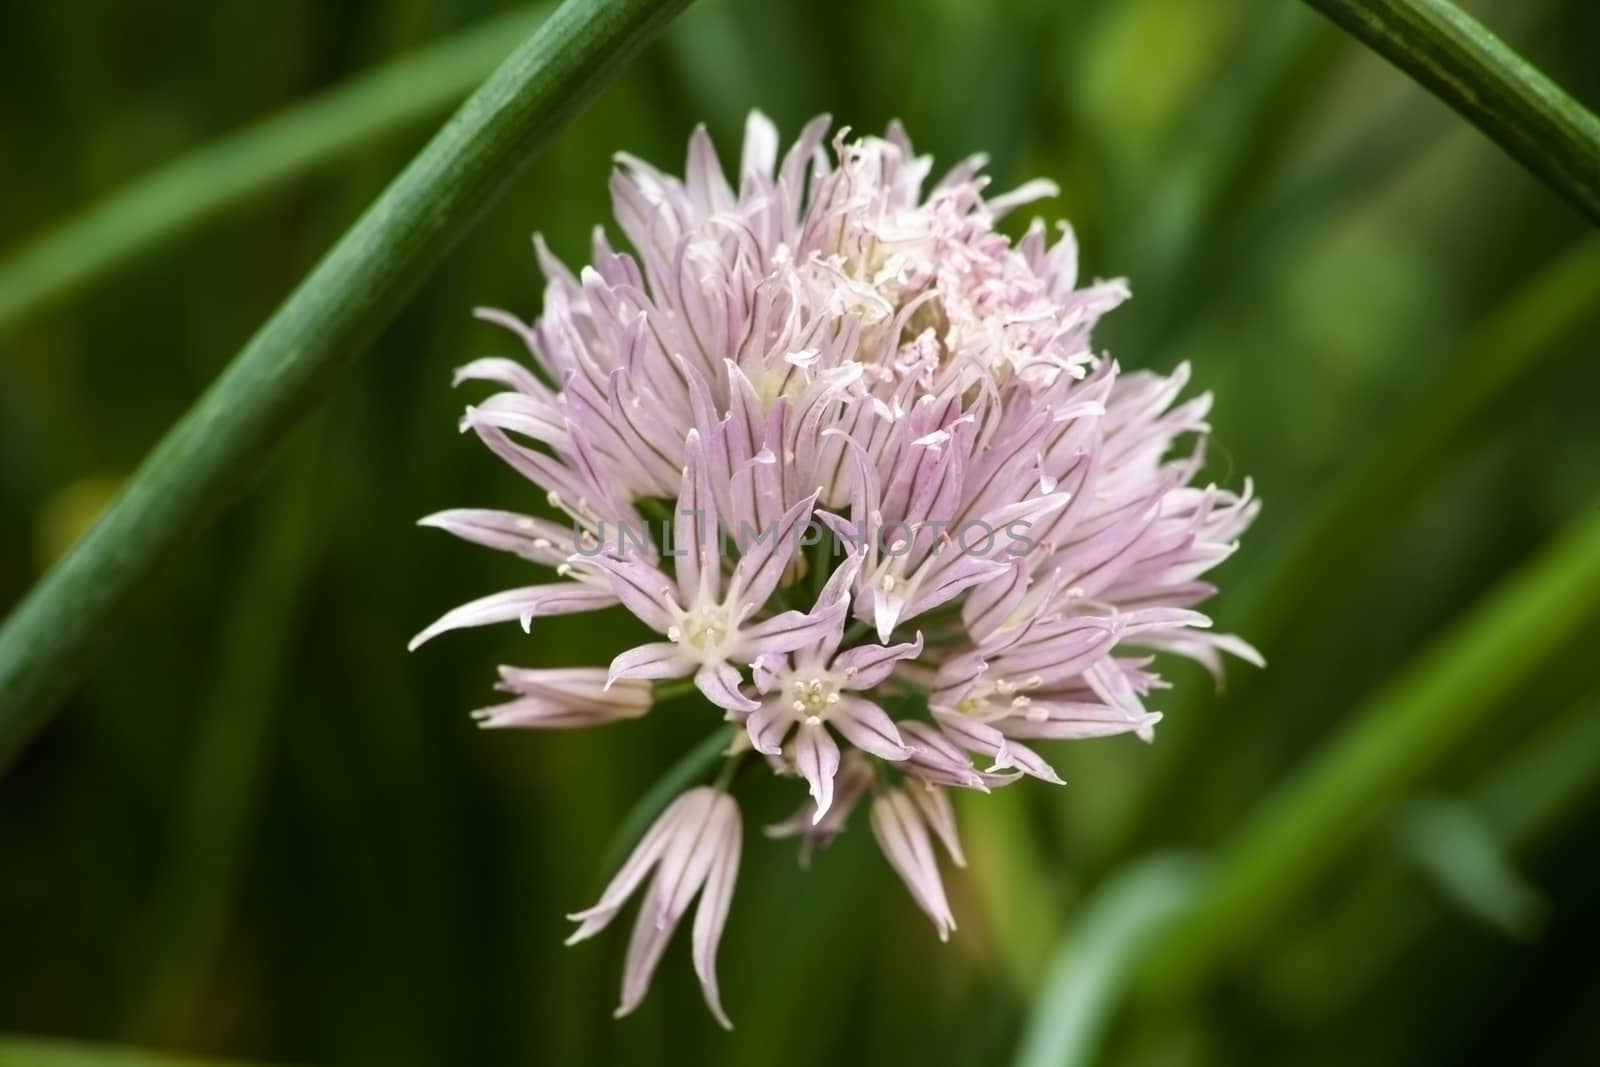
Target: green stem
680	776
251	162
1099	957
1298	834
1458	60
660	511
661	692
224	440
730	770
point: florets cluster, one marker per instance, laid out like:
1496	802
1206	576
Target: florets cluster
851	372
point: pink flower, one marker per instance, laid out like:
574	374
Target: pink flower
909	524
901	820
710	624
693	848
565	697
816	688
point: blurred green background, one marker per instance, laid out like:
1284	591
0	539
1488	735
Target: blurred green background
261	830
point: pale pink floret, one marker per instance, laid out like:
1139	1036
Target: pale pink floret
901	826
693	848
563	697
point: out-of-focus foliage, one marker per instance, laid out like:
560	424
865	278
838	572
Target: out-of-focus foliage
261	830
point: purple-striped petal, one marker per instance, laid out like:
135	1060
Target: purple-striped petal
789	631
767	726
1078	722
903	837
720	684
694	528
766	555
523	605
641	587
688	807
934	803
866	726
980	737
868	665
712	914
935	759
816	757
646	945
660	659
533	539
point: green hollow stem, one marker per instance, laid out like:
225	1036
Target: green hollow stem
1457	59
1298	834
678	687
1099	957
251	162
33	1052
223	441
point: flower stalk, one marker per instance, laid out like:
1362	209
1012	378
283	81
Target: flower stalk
1456	58
226	437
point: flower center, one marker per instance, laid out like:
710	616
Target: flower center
704	631
813	697
997	699
974	707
